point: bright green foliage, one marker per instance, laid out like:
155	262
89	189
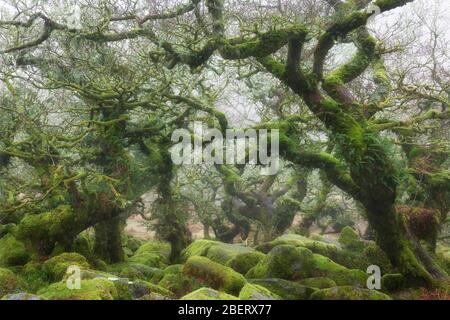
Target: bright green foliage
256	292
214	275
348	293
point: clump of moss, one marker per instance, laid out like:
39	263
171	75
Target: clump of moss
156	248
318	282
83	244
294	263
179	284
285	262
132	243
214	275
147	259
12	252
93	289
316	246
214	250
256	292
9	282
392	282
132	290
287	290
348	293
208	294
243	262
349	239
135	271
56	267
34	277
325	267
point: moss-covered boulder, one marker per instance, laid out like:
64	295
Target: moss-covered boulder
295	263
94	289
348	293
214	250
56	267
154	296
318	282
159	248
12	252
325	267
350	240
84	244
34	276
243	262
257	292
22	296
214	275
177	282
135	271
326	249
148	259
133	290
132	244
287	290
284	262
392	282
208	294
9	282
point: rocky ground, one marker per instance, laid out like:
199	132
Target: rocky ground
291	267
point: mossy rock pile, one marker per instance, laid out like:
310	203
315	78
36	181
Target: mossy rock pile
326	249
214	275
296	263
348	293
94	289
